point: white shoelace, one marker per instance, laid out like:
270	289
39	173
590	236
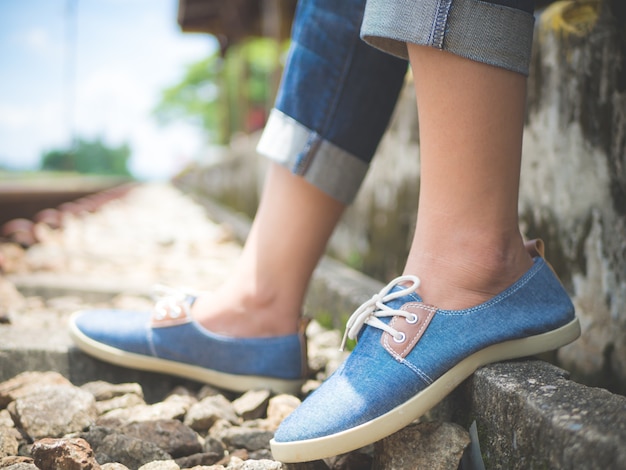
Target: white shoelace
170	301
369	312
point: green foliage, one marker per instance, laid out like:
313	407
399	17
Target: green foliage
195	98
225	95
88	157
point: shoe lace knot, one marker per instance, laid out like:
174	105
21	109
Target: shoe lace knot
171	302
371	310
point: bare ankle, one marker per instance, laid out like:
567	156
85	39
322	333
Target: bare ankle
460	277
240	312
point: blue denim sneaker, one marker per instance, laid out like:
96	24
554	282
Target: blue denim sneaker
169	341
410	355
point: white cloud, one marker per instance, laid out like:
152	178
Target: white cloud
28	131
14	118
112	100
36	39
41	42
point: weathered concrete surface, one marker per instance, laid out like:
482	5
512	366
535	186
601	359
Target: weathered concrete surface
530	416
573	190
433	445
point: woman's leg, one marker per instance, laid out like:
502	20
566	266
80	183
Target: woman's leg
334	103
264	296
467	246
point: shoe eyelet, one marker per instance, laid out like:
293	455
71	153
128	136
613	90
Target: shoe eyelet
400	338
412	319
175	311
160	313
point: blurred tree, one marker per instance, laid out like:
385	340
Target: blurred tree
89	157
223	95
195	98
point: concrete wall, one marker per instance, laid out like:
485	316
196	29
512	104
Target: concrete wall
574	174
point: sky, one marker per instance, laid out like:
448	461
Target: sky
125	53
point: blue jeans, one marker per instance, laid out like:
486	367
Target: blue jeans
338	93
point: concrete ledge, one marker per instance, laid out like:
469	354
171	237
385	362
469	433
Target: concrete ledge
529	415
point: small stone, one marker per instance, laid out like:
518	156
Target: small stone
172	436
260	465
12	258
207	391
113	466
219	427
122	402
252	404
64	454
110	446
102	390
240	454
14	460
214	445
54	410
26	464
235	461
185	399
160	465
169	409
246	438
310	386
203	414
313	465
26	383
261	454
181	391
5	419
352	461
202	458
432	445
207	467
9	441
279	408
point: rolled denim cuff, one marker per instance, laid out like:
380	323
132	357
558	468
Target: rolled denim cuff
305	153
486	32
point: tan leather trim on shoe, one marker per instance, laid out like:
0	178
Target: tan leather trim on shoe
412	331
535	248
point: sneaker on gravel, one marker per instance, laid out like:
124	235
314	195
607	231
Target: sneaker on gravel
168	340
410	355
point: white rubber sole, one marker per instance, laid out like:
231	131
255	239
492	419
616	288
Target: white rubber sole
403	415
233	382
